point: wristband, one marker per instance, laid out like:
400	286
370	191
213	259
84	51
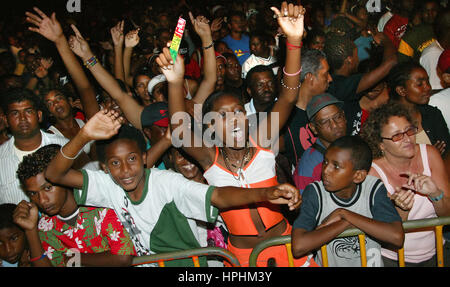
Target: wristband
293	47
210	46
38	258
68	157
91	62
437	198
291	75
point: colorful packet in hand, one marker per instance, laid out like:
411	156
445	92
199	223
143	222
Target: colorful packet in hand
177	36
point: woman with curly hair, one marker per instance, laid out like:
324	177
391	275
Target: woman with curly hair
414	176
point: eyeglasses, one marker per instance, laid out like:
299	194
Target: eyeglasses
337	118
397	137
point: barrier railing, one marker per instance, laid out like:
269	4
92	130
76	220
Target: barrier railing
183	254
408	226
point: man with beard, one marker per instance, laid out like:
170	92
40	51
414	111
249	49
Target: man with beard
23	117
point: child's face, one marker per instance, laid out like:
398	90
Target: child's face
125	163
232	126
50	199
337	170
12	244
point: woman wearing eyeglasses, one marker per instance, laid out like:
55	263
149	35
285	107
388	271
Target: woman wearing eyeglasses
414	176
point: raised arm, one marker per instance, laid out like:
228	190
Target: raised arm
118	40
50	28
180	121
371	78
131	40
202	28
130	107
103	125
290	20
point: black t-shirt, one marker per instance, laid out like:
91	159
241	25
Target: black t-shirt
353	114
344	88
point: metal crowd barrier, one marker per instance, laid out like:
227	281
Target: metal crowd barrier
438	223
183	254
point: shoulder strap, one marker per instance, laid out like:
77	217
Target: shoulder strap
425	163
319	148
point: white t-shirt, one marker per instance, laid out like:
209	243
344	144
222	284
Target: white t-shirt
429	60
164	219
441	101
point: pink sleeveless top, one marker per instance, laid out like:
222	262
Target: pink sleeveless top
419	246
259	172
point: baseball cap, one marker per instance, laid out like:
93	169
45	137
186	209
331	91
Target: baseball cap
444	61
154	81
319	102
155	114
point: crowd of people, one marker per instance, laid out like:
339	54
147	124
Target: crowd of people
272	118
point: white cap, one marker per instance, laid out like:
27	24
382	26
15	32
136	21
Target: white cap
154	81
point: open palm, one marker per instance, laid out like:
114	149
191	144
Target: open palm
103	125
48	27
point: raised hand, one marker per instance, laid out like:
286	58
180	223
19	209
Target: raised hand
50	28
132	38
26	215
103	125
285	194
290	19
216	24
79	45
201	26
174	72
117	34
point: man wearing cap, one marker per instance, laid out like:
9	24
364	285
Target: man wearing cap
441	100
328	123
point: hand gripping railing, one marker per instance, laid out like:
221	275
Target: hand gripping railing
183	254
437	223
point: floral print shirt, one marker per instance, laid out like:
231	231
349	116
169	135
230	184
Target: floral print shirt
97	230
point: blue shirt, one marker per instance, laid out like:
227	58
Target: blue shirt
241	48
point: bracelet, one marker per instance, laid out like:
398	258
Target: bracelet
91	62
437	198
210	46
38	258
68	157
289	88
293	47
291	75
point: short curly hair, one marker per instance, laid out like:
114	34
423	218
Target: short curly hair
371	130
35	163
